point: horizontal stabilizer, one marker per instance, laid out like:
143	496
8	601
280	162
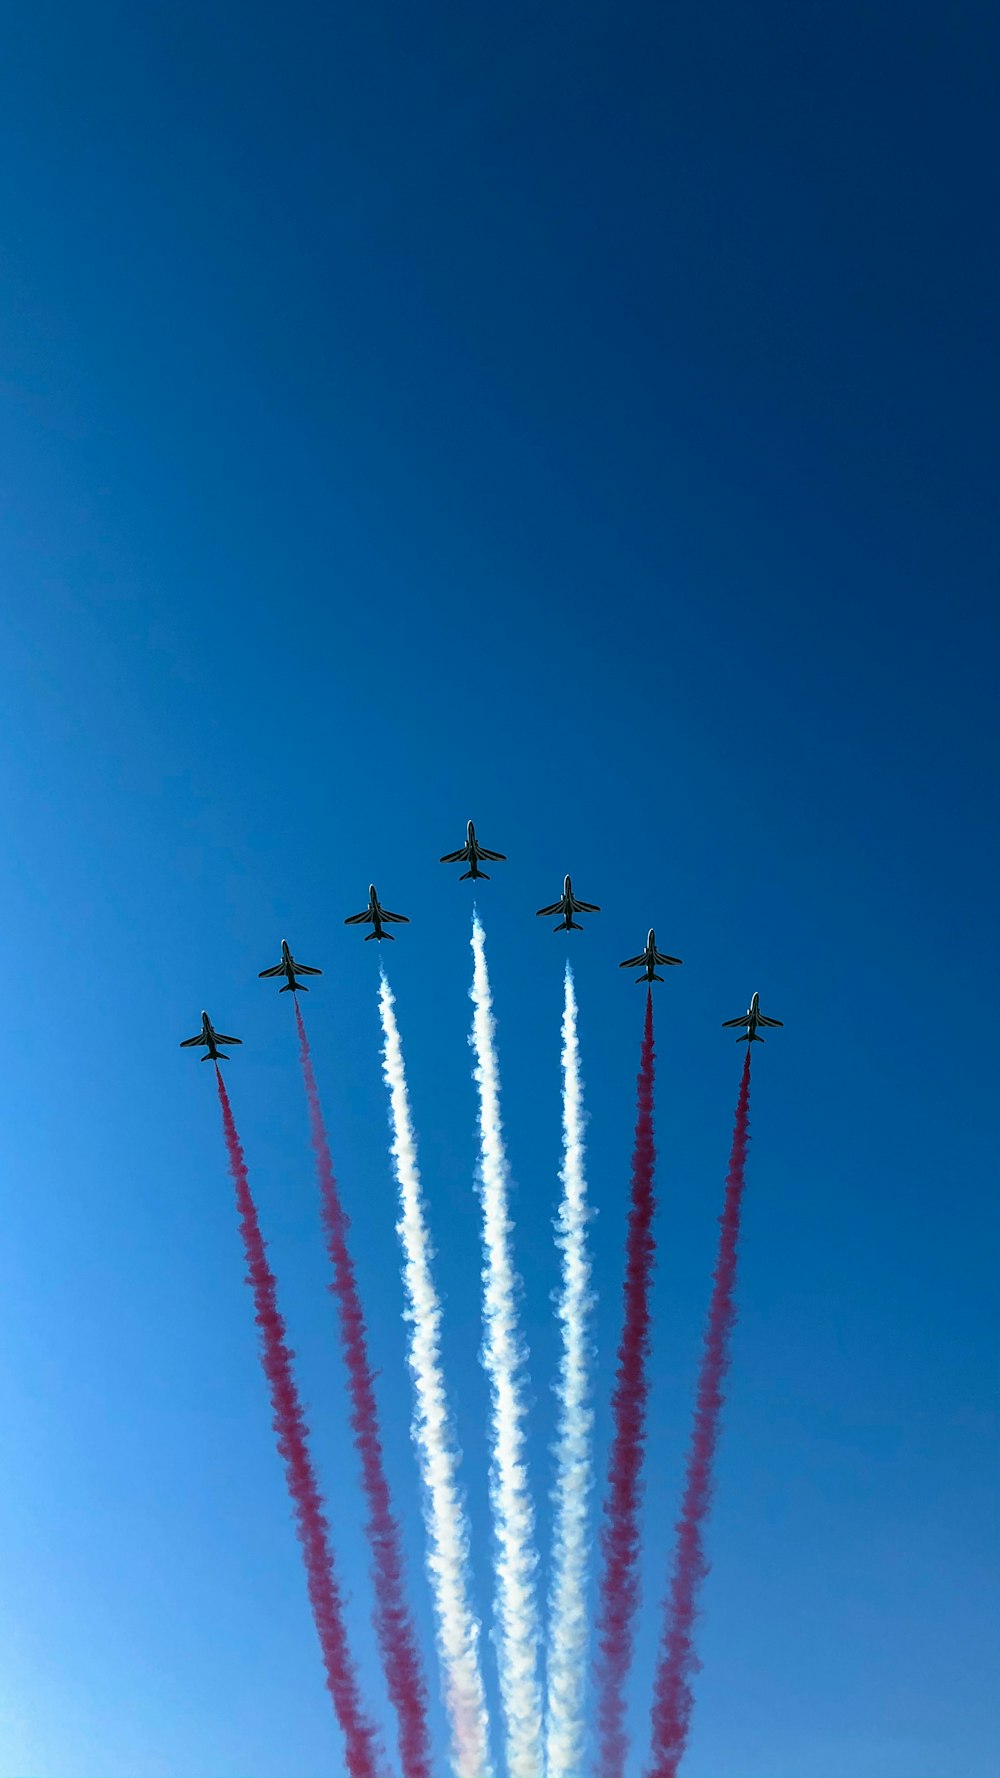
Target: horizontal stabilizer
294	988
484	875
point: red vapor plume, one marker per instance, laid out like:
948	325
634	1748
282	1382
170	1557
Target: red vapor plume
393	1623
672	1699
620	1530
362	1749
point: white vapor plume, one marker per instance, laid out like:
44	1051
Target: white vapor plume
567	1678
433	1434
503	1359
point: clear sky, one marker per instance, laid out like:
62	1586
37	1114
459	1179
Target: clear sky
579	417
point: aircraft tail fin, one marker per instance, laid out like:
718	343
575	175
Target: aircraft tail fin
474	873
295	987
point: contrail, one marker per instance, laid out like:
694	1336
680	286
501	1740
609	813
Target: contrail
677	1659
364	1755
504	1359
393	1622
568	1625
433	1433
620	1530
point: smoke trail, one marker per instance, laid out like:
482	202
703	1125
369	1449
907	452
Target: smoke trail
503	1359
433	1434
393	1623
568	1597
677	1659
620	1530
362	1748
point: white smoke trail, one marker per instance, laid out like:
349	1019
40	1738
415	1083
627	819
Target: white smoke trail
503	1358
433	1434
567	1679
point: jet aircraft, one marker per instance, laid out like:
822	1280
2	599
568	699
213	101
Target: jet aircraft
647	960
751	1019
374	914
470	854
567	905
211	1039
290	969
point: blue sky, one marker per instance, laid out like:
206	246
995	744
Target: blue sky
580	418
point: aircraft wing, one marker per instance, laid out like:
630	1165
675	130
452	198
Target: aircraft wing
220	1039
299	969
457	857
497	857
633	962
358	919
661	958
745	1020
585	907
400	919
762	1021
556	908
279	969
189	1042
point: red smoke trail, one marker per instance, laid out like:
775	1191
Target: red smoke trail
620	1531
678	1661
393	1624
363	1752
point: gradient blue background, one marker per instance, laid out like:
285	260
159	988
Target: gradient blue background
579	417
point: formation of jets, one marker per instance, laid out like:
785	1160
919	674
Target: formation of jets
378	917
